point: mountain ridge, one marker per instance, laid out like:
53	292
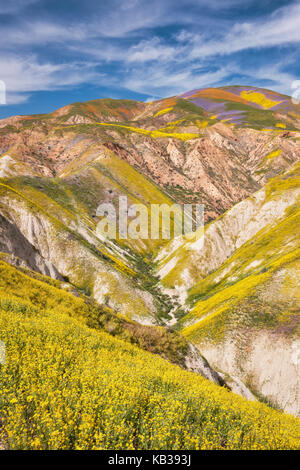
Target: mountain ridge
229	148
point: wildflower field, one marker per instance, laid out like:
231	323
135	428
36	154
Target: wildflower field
66	385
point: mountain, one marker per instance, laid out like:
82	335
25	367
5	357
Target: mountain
229	293
186	145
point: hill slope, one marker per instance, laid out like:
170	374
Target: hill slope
69	386
66	163
191	152
242	290
233	149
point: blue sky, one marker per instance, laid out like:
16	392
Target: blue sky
55	52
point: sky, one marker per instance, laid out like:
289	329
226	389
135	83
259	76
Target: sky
56	52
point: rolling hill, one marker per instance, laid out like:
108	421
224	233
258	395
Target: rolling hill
229	295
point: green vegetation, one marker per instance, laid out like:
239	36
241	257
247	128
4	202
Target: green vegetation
257	118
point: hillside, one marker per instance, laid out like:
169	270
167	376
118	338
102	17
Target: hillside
68	162
224	303
67	385
184	144
241	288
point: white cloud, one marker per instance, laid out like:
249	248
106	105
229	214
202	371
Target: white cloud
187	47
163	82
282	28
24	75
16	98
40	33
149	50
281	81
119	22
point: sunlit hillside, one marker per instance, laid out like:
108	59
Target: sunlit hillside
69	386
109	341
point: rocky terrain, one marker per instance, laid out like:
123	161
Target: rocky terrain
239	288
233	289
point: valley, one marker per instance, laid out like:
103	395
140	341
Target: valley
220	308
